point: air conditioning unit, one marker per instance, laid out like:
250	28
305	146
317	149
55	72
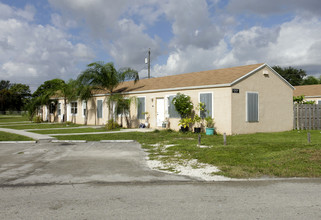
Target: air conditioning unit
265	73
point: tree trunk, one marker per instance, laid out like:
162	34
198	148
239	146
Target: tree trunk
48	113
65	111
121	120
127	121
86	115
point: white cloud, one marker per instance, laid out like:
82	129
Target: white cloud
274	6
130	48
32	53
295	43
124	39
188	19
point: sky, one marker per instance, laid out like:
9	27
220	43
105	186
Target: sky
46	39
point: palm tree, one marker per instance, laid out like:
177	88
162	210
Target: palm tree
105	76
123	108
84	92
68	92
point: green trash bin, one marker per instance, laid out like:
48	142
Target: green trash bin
209	131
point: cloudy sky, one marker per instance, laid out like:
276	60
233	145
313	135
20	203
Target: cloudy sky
46	39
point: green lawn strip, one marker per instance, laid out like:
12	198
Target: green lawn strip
12	118
5	136
39	126
283	154
66	131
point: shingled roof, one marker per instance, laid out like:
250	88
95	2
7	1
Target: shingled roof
307	90
189	80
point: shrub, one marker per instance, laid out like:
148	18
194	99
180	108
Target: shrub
111	124
37	119
209	122
68	123
183	105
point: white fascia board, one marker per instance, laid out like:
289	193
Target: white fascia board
313	96
247	75
179	88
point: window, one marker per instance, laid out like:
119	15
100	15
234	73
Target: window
52	108
252	107
59	108
74	108
99	108
141	108
171	108
319	102
207	100
84	108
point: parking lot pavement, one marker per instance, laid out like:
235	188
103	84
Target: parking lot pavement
65	163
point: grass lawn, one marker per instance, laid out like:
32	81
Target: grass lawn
5	136
283	154
66	131
13	118
39	126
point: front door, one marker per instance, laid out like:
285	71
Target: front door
160	111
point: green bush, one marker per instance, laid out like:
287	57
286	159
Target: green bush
69	123
37	119
183	105
111	124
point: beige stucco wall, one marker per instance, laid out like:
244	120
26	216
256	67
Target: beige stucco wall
221	107
79	118
275	104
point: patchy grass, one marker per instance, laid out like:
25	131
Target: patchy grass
283	154
38	126
5	136
66	131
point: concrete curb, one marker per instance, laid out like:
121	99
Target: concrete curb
18	142
117	141
68	141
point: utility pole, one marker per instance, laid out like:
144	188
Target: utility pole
149	63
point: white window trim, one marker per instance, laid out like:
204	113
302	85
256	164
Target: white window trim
199	100
167	105
73	114
145	107
83	105
258	107
102	108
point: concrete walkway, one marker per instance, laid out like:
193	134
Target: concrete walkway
48	137
65	128
108	132
38	137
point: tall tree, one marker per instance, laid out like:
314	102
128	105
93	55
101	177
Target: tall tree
13	96
4	84
310	80
43	95
105	76
20	95
5	100
293	76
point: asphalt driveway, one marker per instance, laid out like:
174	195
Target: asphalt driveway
65	163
